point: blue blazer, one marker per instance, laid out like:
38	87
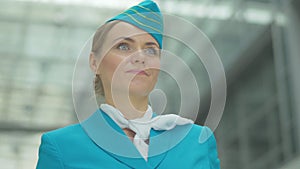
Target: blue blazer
91	145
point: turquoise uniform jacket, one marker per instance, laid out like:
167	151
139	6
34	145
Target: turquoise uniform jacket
91	145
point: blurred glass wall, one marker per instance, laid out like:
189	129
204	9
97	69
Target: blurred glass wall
257	40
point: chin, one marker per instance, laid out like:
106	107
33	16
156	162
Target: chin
140	89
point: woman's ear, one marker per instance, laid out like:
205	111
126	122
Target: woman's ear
93	62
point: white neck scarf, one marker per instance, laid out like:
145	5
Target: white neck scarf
142	126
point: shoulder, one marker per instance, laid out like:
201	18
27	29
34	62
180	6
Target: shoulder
66	135
198	128
65	141
199	136
200	132
60	147
68	131
193	134
52	142
65	131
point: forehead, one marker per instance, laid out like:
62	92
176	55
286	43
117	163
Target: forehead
123	29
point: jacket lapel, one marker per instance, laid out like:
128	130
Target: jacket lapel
162	141
106	134
154	155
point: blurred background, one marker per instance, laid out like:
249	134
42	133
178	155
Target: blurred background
258	42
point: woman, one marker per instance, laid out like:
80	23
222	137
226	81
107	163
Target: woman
124	132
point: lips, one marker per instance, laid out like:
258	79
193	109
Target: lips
137	72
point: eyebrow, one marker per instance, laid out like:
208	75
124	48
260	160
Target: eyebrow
131	40
124	38
152	43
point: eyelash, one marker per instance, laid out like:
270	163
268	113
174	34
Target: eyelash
154	53
121	44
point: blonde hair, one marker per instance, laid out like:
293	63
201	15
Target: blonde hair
98	40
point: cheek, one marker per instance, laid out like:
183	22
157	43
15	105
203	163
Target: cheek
154	65
109	65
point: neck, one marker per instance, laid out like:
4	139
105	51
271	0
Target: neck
131	107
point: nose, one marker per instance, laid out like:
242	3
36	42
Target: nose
138	58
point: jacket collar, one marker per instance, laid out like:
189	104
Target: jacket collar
104	132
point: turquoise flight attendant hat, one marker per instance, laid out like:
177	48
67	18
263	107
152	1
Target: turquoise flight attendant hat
145	16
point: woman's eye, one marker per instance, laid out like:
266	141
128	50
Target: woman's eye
151	51
123	46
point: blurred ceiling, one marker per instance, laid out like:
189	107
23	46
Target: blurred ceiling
40	41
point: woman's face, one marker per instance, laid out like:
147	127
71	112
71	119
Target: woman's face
131	62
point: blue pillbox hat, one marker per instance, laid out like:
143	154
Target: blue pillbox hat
145	16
